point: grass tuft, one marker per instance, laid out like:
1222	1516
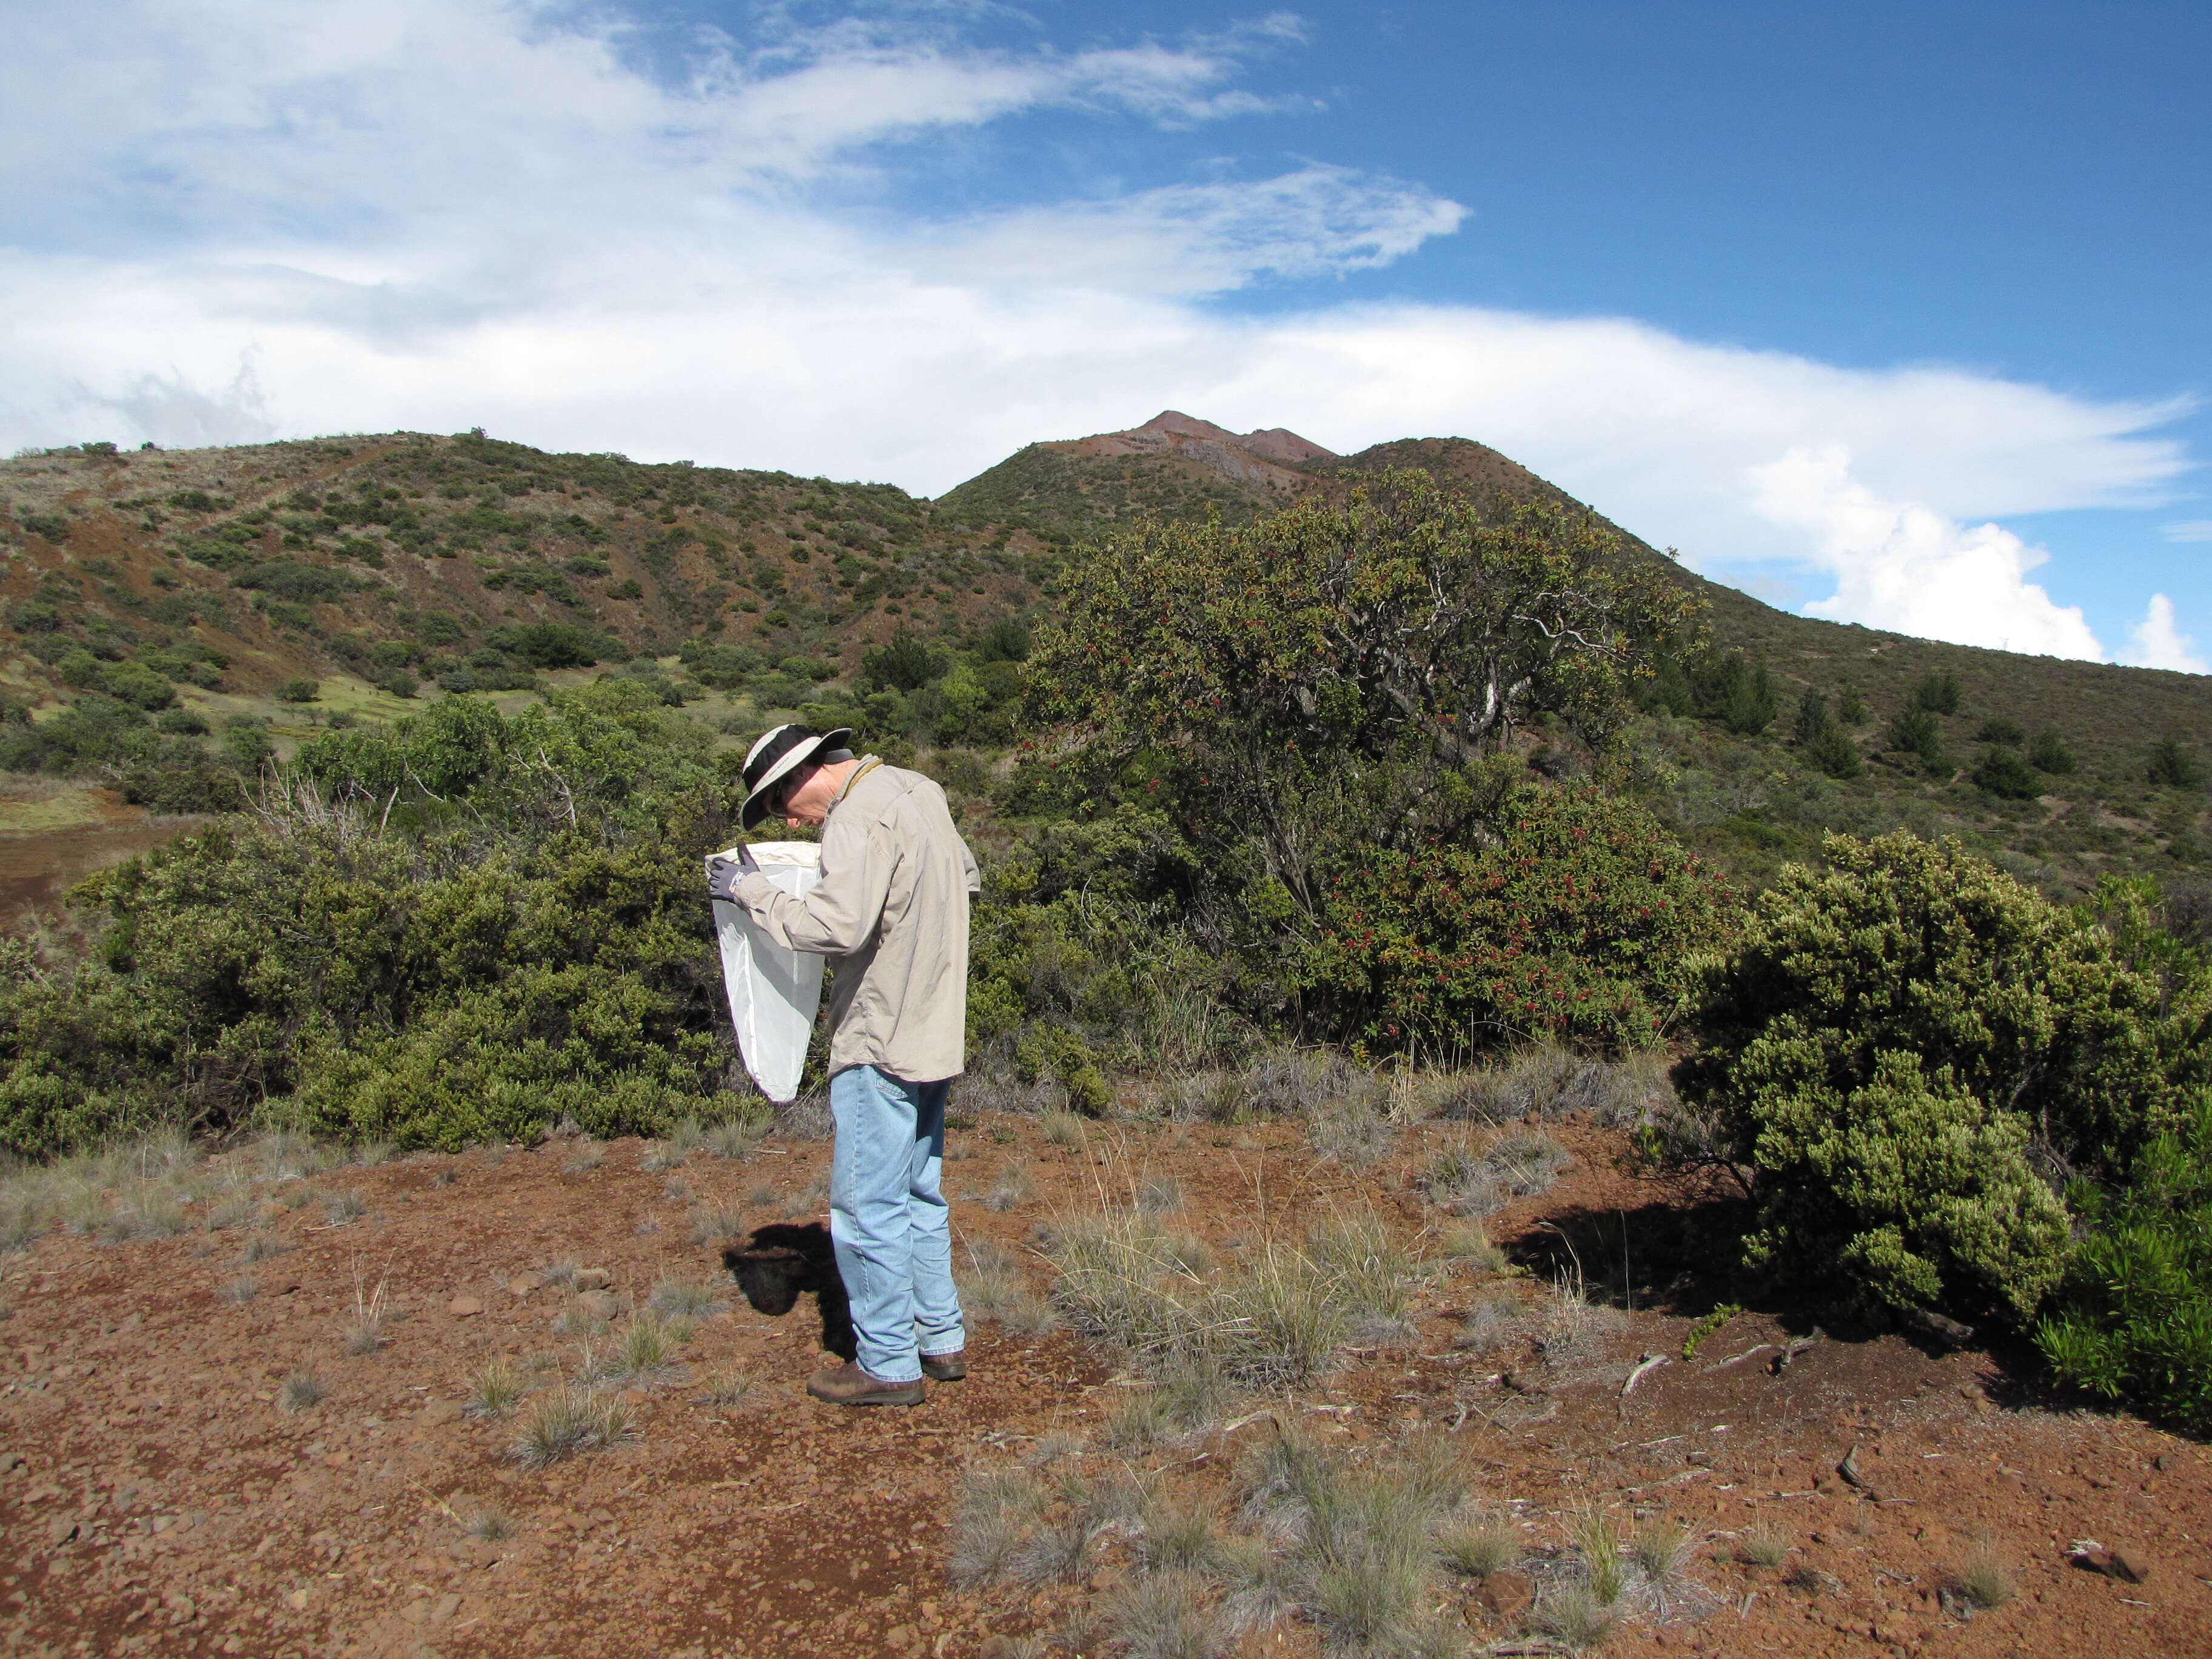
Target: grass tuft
495	1388
301	1390
491	1524
1762	1547
1013	1186
584	1157
711	1223
993	1513
645	1356
728	1386
1479	1548
1660	1549
1983	1579
1063	1128
568	1422
1573	1615
242	1290
1167	1615
683	1298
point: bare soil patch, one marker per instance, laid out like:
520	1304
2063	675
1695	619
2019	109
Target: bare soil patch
156	1495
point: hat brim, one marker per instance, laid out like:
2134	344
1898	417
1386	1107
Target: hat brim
755	806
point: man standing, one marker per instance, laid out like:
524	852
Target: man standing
892	908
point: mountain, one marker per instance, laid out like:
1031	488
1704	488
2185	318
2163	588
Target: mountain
388	567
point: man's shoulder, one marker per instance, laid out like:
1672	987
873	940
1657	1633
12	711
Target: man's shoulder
884	789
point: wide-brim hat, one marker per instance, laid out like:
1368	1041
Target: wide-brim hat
779	752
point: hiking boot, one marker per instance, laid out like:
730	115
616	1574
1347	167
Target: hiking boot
848	1385
945	1367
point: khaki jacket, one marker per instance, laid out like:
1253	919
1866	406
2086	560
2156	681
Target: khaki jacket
892	908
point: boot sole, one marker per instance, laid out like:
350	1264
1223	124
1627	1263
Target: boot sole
889	1397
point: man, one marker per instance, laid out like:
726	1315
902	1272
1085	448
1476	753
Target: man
892	908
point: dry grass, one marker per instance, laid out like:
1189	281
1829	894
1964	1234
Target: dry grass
241	1290
366	1334
645	1356
1598	1541
1762	1547
1660	1550
735	1139
679	1299
494	1388
1479	1548
992	1514
1063	1128
713	1222
491	1524
1983	1579
729	1386
568	1422
300	1391
584	1157
1571	1614
1168	1615
1013	1186
1352	1132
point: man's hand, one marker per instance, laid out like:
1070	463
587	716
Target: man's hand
725	872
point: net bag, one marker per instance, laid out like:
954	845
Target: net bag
774	992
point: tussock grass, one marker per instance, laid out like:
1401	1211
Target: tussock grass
261	1248
675	1298
1548	1082
1660	1550
729	1386
1177	1537
1062	1127
232	1212
366	1334
1983	1579
1571	1614
491	1524
735	1139
1468	1244
991	1287
1168	1615
1159	1195
994	1512
372	1154
341	1208
1571	1330
713	1222
646	1355
1762	1547
241	1290
1352	1133
1479	1548
568	1422
1597	1541
1013	1186
584	1157
494	1388
300	1391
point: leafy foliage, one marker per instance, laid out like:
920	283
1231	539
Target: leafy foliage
1896	1035
2134	1319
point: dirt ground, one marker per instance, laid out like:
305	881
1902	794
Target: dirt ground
155	1497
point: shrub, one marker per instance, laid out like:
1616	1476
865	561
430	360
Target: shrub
1578	923
2050	754
2133	1322
1734	693
1835	754
302	691
1938	693
2002	772
2002	730
2172	766
1915	731
556	645
1882	1050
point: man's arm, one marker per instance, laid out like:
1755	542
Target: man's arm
974	875
841	914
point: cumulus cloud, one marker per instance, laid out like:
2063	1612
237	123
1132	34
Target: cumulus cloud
285	215
2159	642
1907	567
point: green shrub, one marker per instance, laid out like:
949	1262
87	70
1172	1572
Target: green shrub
1579	922
1938	694
1734	693
2002	730
1879	1053
2050	754
300	691
1835	754
2002	772
2172	766
2133	1322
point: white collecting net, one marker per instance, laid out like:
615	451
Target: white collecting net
774	993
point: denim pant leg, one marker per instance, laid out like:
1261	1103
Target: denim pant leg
936	1303
871	1171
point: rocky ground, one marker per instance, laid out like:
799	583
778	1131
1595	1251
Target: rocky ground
236	1418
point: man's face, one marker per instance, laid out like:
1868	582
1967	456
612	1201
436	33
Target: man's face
804	804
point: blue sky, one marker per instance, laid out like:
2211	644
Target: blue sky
1889	312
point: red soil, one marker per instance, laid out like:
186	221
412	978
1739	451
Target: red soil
154	1499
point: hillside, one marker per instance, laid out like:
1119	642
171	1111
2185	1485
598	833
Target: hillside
400	566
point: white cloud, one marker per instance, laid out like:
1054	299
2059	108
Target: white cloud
1909	568
228	219
2159	642
2189	530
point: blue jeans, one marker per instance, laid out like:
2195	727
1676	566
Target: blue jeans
889	1222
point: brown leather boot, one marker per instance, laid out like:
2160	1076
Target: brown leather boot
848	1385
945	1367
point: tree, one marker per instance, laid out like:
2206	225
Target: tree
2050	754
2172	766
1334	674
2001	772
1938	693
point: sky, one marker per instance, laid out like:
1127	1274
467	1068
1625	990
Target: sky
1888	313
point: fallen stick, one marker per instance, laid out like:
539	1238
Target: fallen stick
1756	1347
1651	1362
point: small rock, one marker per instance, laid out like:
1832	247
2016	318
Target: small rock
1000	1647
1506	1595
439	1411
523	1284
61	1529
465	1307
592	1279
1523	1383
11	1462
2093	1557
600	1305
449	1605
297	1601
902	1636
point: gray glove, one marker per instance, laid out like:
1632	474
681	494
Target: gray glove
725	872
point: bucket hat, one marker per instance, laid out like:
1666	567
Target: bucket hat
780	752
